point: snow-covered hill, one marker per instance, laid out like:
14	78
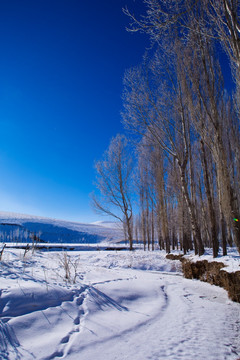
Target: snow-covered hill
19	228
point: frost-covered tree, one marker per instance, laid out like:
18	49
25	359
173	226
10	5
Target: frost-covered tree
114	181
190	34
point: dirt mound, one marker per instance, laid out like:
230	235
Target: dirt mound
174	257
213	273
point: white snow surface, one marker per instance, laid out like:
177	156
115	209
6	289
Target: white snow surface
123	305
116	305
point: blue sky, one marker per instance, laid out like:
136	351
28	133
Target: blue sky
61	69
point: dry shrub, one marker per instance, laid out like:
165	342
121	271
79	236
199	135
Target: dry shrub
70	267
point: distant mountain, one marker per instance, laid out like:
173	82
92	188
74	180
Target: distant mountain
21	228
108	224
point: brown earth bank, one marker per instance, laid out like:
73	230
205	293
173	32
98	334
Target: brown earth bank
211	272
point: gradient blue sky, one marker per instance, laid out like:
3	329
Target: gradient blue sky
61	68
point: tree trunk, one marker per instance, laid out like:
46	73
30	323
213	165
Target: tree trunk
222	221
213	222
129	232
199	248
153	230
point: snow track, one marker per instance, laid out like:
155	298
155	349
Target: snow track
186	320
113	312
78	322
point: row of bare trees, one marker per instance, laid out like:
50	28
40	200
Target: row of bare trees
185	128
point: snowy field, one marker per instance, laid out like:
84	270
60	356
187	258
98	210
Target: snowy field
115	305
122	306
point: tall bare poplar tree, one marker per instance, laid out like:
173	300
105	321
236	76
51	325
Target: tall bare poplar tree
200	27
155	107
114	182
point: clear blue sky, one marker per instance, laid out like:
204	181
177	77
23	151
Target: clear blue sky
61	68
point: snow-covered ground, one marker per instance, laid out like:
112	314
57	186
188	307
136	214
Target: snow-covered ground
116	305
122	306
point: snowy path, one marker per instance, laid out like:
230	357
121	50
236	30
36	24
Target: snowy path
180	319
116	311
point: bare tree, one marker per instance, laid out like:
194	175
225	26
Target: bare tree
146	192
210	200
113	180
178	103
209	106
160	176
156	108
217	19
224	16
